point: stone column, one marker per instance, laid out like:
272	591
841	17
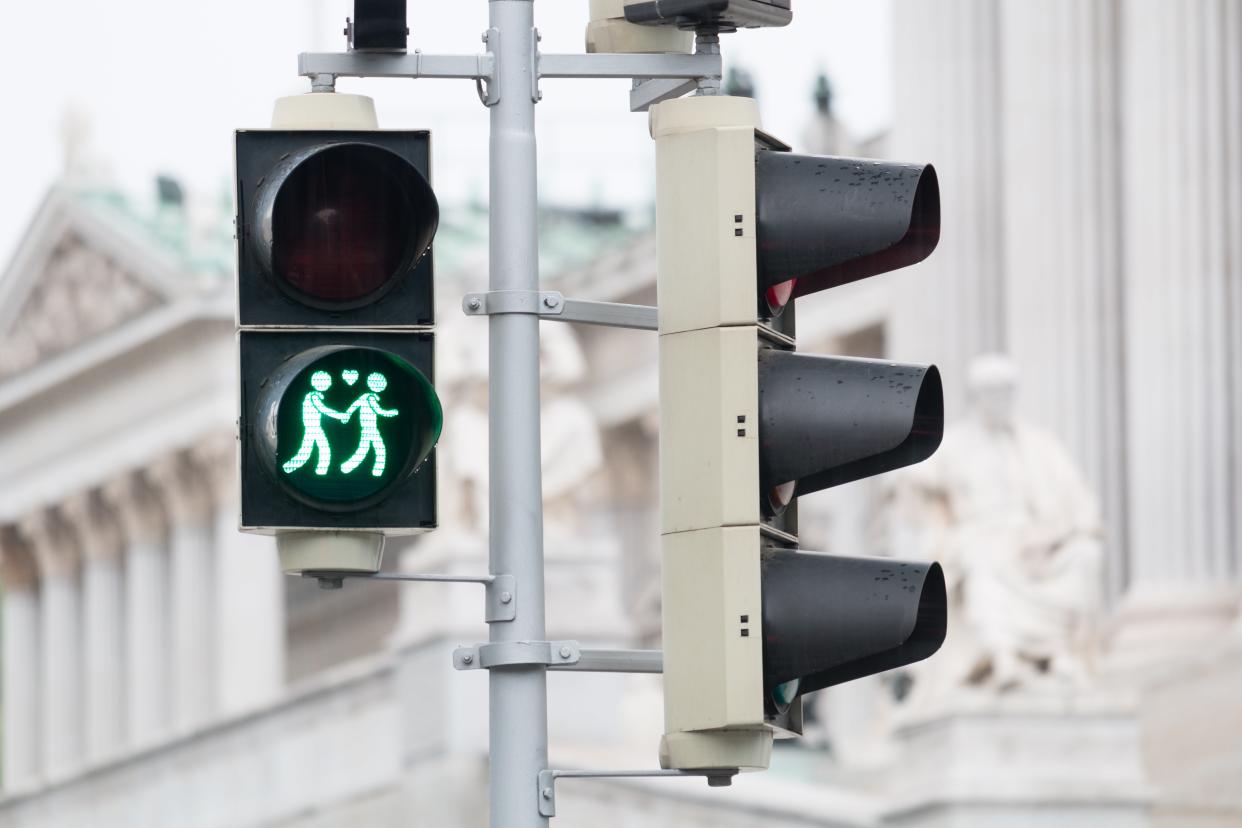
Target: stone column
249	595
102	544
948	111
187	502
1062	229
1182	121
60	651
146	614
22	700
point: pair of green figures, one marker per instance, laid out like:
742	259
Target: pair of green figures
314	409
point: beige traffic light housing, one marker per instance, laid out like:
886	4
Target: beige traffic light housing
709	434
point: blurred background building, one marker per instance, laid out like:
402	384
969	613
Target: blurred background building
159	671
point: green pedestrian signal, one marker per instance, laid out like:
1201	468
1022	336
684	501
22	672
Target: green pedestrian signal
351	423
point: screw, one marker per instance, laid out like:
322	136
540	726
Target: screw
546	793
506	597
551	301
474	303
566	652
467	658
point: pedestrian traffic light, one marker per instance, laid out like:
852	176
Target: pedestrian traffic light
751	623
339	414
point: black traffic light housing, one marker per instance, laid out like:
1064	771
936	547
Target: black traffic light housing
336	308
295	267
269	503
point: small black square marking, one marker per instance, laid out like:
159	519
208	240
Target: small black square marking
745	633
741	418
741	432
737	218
737	232
745	619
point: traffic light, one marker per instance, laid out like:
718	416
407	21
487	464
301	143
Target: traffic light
751	623
339	414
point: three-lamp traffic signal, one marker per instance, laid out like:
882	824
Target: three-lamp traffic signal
339	414
752	624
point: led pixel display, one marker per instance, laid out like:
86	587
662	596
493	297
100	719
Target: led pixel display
353	422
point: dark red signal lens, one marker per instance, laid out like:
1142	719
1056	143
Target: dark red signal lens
779	497
778	295
344	223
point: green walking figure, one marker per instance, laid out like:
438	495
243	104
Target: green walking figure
368	408
313	409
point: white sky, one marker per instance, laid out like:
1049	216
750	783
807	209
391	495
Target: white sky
164	82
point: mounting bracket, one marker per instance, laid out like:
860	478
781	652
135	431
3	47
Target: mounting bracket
716	777
500	590
550	304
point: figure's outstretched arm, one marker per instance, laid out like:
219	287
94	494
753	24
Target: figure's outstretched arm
333	413
384	412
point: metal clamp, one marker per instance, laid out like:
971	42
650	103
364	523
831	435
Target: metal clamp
550	304
510	301
515	653
716	778
486	86
500	590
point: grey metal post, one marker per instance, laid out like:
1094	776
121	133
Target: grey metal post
518	694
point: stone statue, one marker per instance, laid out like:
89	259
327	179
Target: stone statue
1009	516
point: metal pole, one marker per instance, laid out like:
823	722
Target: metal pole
518	705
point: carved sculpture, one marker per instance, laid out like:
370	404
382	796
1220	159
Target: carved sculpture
1006	511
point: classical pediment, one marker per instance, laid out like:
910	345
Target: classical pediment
80	294
84	268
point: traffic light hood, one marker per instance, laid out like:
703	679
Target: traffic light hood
824	420
825	221
829	619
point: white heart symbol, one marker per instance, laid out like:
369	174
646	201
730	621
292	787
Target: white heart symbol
350	376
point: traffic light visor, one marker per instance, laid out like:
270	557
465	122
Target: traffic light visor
829	619
824	221
341	222
824	421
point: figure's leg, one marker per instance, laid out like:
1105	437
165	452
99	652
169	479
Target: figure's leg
325	453
358	456
298	460
380	456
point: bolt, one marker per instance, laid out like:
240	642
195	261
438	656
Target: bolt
546	793
551	301
566	652
484	36
475	303
467	658
506	597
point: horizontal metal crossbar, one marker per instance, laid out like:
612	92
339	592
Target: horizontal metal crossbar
480	66
615	661
550	304
410	65
639	67
500	590
716	777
